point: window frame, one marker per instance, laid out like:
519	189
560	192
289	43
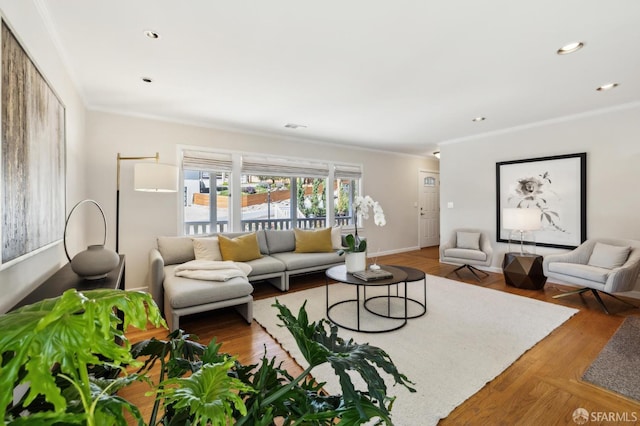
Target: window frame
237	172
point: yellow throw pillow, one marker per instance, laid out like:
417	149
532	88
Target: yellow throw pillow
240	249
313	241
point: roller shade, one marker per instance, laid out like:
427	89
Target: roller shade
272	166
347	171
205	161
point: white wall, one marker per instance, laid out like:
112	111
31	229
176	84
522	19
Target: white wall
27	24
389	178
611	141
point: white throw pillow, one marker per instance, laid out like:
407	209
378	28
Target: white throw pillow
468	240
608	256
207	248
336	237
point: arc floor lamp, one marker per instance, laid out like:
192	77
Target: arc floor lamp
147	177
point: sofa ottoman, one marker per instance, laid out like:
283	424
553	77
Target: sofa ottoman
184	296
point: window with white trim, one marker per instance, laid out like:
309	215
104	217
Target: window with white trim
206	178
275	192
346	185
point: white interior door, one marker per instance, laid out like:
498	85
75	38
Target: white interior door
429	208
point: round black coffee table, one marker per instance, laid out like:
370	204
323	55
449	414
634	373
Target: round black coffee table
340	274
413	275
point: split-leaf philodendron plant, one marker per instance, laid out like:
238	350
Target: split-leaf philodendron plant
70	357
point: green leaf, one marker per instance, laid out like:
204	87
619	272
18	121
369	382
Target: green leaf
351	416
355	244
36	338
48	419
109	408
363	359
266	380
212	353
351	242
318	346
209	395
315	353
184	353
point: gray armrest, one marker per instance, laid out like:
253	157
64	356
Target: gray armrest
621	279
449	244
579	255
485	246
156	276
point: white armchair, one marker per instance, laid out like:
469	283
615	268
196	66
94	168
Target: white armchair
598	265
468	247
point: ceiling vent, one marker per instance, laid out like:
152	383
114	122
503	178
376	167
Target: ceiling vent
294	126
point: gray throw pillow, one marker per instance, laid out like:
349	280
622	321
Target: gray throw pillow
468	240
608	256
176	249
281	241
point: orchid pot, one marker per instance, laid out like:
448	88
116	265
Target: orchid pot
356	261
355	244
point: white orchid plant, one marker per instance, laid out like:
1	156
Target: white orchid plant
361	207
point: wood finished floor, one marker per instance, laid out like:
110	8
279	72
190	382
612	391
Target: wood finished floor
542	387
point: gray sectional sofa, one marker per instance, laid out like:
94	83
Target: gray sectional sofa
179	296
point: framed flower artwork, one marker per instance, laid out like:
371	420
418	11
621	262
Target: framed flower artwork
556	186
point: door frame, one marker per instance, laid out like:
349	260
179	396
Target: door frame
419	189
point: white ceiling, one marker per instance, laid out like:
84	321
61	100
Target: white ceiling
402	75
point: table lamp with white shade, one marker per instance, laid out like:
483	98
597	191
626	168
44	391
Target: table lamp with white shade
521	220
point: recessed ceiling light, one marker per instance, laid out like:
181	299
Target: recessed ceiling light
294	126
147	79
607	86
152	34
477	119
570	48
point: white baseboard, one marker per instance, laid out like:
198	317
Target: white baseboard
634	294
146	289
389	252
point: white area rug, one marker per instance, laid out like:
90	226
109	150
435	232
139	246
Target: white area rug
468	337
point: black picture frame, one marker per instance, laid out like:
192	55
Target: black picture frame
557	186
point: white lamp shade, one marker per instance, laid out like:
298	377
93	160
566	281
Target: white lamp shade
521	219
155	177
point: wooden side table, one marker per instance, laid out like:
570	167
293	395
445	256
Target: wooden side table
523	271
